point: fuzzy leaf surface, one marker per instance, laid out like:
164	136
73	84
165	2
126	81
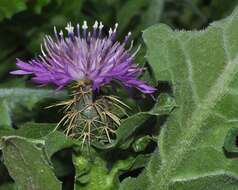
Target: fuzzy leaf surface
27	165
203	69
12	98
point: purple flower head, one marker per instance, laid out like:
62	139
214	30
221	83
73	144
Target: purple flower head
83	55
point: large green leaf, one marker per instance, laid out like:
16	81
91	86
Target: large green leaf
12	98
27	165
50	141
54	141
202	66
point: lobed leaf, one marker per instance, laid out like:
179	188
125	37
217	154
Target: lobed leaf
203	68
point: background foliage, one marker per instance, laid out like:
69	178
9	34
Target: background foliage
28	144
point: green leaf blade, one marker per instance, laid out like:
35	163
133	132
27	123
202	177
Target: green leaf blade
203	68
27	165
12	98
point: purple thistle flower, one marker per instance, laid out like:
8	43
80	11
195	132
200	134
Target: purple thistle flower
84	56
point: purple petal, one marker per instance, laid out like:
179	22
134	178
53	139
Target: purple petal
76	58
20	72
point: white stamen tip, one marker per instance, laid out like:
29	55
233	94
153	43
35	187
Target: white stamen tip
85	26
78	29
55	30
61	33
95	25
115	29
110	31
101	26
129	34
69	28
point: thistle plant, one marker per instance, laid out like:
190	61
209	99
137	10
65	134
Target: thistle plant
85	61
